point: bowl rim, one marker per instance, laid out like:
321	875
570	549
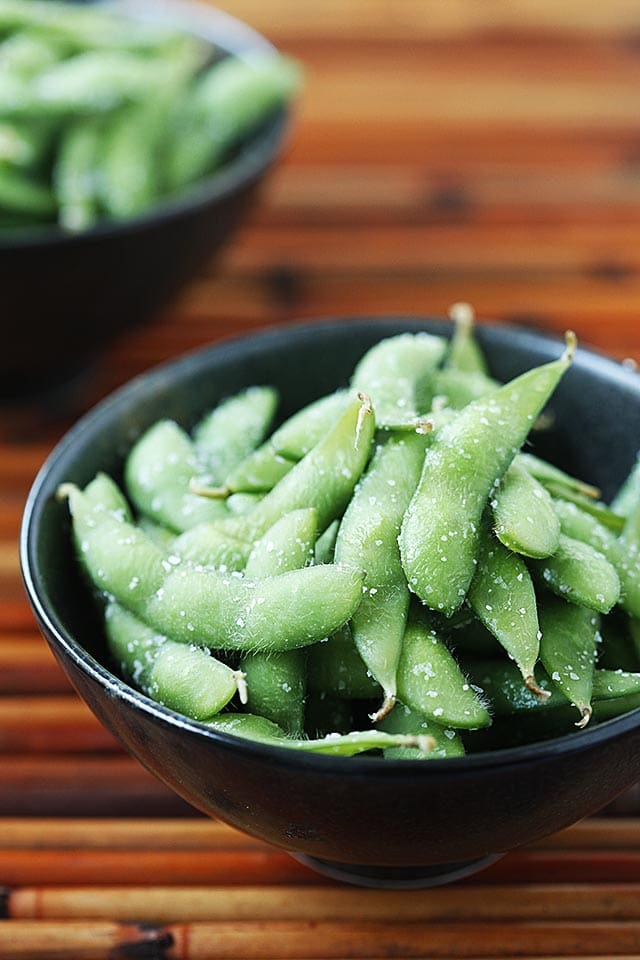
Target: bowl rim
255	157
60	638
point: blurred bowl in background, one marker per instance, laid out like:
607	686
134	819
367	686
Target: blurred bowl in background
66	295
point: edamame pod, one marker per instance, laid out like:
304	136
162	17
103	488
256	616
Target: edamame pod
158	473
431	682
624	557
547	473
303	430
206	546
22	194
336	669
338	745
524	518
397	373
568	646
276	682
223	612
323	479
503	598
368	536
233	430
182	676
239	94
439	535
628	496
76	174
580	574
464	353
447	742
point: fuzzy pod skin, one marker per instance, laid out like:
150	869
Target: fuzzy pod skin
183	677
402	719
324	479
624	556
339	745
298	434
277	682
158	474
580	574
503	598
439	536
524	518
465	354
568	650
206	546
336	670
431	682
397	373
223	612
228	434
368	535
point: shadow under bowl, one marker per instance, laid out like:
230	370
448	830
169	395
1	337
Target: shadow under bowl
368	820
66	296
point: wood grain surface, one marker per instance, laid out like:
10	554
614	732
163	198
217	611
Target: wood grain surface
440	151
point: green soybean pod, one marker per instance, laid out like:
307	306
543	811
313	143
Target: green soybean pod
258	472
158	474
326	543
624	557
230	432
580	574
368	536
97	81
501	683
224	612
457	388
75	26
503	598
24	53
226	104
323	479
301	431
335	669
464	353
547	474
204	545
183	677
403	720
466	458
130	177
397	373
431	682
276	682
76	174
628	495
524	517
568	647
339	745
596	508
22	194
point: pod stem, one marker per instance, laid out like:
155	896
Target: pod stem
385	708
366	409
462	314
212	493
586	713
241	683
532	685
571	342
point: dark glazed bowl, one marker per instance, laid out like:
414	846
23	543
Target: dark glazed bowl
364	819
65	296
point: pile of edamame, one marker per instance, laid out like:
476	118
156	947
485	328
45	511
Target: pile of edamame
102	116
391	569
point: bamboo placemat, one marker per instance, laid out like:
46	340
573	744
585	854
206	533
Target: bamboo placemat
440	151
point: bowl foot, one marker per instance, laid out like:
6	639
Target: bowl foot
396	878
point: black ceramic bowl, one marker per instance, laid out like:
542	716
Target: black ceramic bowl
366	819
66	295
